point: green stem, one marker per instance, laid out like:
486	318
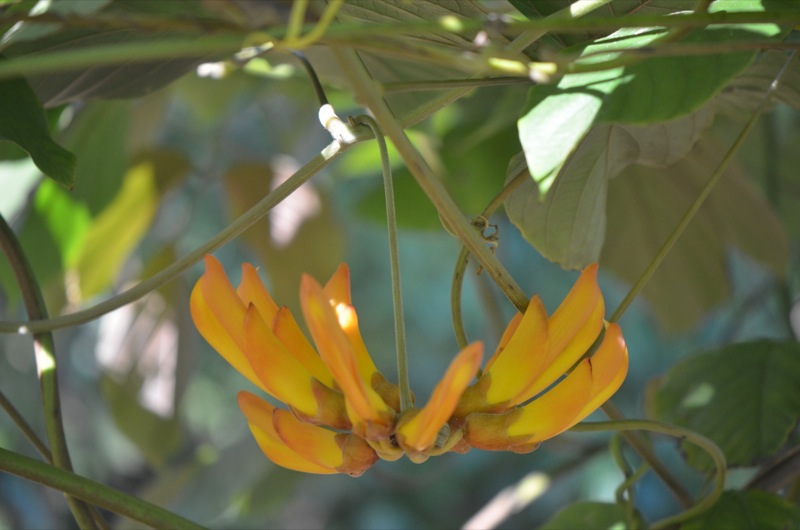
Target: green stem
678	432
321	27
406	401
297	17
459	271
447	84
89	57
27	430
246	220
531	35
368	92
701	197
641	444
91	491
44	350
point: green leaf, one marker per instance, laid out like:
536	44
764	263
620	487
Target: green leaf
588	515
744	397
568	225
653	90
114	233
22	121
645	205
748	509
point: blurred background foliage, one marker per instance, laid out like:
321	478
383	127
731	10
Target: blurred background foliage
166	154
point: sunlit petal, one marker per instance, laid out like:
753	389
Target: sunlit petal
204	315
337	291
609	366
259	418
283	376
336	351
288	332
419	433
514	370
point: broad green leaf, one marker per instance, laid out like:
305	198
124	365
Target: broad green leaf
645	205
22	121
568	225
744	397
586	515
655	89
114	233
299	235
748	509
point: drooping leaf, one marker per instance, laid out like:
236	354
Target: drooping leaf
653	90
646	204
744	397
22	121
748	509
568	225
586	515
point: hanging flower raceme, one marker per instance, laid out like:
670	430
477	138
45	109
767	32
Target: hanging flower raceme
342	414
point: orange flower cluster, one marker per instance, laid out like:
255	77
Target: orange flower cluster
342	414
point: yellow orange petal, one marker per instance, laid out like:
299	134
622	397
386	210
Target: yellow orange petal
259	418
313	443
204	315
338	287
515	369
554	411
337	291
283	376
288	332
573	328
419	433
252	291
507	334
609	366
337	353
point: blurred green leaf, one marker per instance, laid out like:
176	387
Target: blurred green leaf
644	206
22	121
587	515
300	235
117	230
568	225
748	509
97	136
155	436
66	218
744	396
